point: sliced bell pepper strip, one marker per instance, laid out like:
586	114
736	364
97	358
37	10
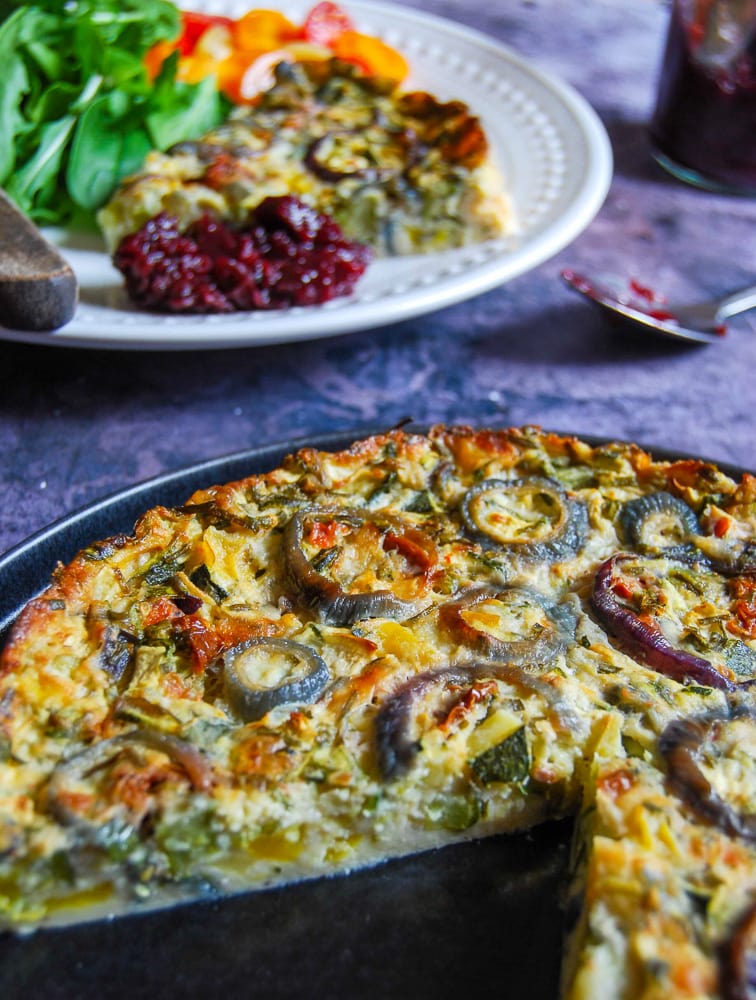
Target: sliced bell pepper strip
370	54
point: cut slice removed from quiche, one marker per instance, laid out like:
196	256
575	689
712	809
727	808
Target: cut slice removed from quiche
401	171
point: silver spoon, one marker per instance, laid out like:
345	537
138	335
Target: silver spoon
703	322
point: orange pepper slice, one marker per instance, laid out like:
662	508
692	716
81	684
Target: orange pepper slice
231	73
193	29
193	69
370	54
263	30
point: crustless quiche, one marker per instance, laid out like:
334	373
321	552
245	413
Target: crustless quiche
419	639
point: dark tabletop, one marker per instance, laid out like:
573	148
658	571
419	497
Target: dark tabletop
77	425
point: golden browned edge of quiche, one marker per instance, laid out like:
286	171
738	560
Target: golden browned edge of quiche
419	639
401	171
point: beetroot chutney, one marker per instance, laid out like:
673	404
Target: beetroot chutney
704	125
287	255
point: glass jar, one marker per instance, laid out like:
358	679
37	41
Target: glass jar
703	129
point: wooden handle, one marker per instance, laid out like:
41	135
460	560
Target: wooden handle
38	289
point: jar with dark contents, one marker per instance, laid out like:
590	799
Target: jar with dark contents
703	129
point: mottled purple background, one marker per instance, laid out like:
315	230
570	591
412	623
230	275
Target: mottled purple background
78	425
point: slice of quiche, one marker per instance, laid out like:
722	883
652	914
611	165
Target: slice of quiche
403	172
665	860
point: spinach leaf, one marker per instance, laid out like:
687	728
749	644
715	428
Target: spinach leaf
33	186
181	109
78	112
507	761
54	102
48	59
201	578
108	145
13	84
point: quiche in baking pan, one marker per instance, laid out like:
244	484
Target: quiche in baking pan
401	171
420	639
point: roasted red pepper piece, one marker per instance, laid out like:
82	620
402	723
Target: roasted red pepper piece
194	27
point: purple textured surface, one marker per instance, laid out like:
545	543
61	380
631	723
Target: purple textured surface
78	425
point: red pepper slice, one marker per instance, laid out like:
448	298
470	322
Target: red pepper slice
325	22
323	534
161	610
208	641
417	553
194	27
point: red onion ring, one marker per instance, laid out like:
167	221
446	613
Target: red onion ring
645	642
679	745
396	749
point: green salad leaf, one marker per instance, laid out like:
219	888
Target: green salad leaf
110	142
181	110
78	112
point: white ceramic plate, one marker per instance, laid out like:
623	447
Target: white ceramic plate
550	144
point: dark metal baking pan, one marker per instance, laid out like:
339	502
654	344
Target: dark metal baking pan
476	919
